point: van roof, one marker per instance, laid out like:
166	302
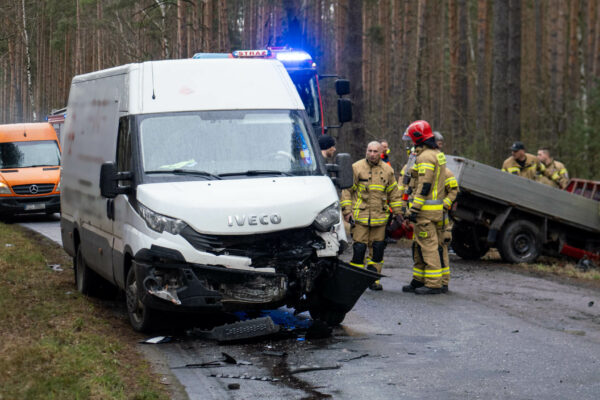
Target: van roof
201	84
27	132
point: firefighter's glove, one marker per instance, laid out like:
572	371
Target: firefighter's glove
412	216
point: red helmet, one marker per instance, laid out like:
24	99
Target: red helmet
419	131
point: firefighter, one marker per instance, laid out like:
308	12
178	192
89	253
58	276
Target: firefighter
426	210
327	145
521	163
439	140
385	152
366	204
554	174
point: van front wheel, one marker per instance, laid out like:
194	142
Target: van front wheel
140	316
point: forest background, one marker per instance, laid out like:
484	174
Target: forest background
483	72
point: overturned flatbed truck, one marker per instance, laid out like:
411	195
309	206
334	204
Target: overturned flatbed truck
522	218
198	186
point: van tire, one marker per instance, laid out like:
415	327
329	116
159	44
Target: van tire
86	280
140	316
520	241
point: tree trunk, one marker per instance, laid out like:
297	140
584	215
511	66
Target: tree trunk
514	70
499	139
28	60
482	29
353	58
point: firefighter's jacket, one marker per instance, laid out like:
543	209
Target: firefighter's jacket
428	195
530	168
374	189
450	189
554	174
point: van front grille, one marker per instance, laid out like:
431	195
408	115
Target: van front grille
265	250
32	189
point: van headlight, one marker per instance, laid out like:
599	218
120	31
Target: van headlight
327	218
4	189
160	223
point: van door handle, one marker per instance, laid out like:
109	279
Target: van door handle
110	209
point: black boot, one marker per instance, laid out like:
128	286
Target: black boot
428	290
375	285
445	289
410	288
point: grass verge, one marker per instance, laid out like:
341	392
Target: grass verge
56	343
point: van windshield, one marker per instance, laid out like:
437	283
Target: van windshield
36	153
227	143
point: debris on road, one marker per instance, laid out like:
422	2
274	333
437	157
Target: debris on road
591	303
233	386
241	330
245	376
304	368
157	340
225	361
354	358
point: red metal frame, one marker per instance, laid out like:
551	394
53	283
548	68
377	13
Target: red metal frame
585	188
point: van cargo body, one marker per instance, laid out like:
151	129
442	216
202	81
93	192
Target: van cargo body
29	169
197	185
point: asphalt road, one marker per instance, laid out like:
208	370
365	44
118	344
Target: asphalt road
497	335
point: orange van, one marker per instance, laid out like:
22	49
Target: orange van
29	169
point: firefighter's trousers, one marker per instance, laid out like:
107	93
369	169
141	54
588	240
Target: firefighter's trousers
444	233
426	255
374	238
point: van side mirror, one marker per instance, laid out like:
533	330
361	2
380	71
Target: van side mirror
342	87
341	171
344	110
109	180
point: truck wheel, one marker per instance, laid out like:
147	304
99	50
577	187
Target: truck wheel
86	280
469	241
520	242
140	316
331	317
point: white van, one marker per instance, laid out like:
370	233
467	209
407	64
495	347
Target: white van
198	185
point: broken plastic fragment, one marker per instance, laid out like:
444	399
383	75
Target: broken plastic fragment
55	267
157	340
165	295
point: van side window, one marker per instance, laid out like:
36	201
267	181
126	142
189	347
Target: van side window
124	146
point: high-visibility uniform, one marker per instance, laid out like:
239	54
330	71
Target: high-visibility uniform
373	193
444	227
554	174
528	169
428	204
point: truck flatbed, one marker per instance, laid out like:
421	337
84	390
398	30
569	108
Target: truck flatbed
525	194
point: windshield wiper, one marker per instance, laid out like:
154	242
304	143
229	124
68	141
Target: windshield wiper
181	171
40	165
254	172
